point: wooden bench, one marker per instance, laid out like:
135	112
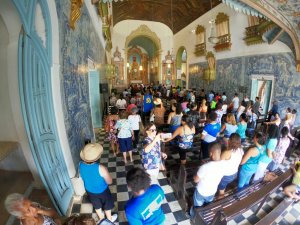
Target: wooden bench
275	213
178	180
222	211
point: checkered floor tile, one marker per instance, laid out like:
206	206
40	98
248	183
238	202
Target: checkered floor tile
174	213
117	169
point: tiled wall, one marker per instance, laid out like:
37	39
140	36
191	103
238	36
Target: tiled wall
75	48
235	72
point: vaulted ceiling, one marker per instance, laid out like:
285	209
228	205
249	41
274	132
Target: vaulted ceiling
176	14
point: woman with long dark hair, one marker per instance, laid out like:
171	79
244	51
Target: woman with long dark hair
174	118
267	156
186	134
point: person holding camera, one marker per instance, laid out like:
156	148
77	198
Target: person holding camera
186	134
151	153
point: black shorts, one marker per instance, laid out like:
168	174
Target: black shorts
103	200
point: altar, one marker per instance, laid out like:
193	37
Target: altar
136	81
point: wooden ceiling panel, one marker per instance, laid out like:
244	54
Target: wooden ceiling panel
176	14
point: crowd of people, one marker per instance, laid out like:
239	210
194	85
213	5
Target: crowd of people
223	127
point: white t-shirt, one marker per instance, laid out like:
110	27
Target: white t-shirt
232	165
224	97
224	108
210	175
121	104
235	102
219	116
134	121
168	92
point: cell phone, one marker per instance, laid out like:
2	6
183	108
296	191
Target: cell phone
166	135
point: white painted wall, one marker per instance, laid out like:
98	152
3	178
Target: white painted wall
124	28
238	22
16	129
8	131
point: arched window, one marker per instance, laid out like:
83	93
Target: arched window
200	47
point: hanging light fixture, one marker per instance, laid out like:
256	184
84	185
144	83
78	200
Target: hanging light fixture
213	39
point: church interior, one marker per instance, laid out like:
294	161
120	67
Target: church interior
61	60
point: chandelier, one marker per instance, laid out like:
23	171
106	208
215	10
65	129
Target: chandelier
213	39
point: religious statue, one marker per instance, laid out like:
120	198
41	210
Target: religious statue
134	69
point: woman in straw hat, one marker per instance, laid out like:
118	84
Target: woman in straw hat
96	179
158	111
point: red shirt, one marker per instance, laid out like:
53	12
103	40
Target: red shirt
129	108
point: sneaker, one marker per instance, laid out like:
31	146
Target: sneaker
114	217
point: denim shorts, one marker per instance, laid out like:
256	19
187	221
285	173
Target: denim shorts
125	144
226	180
103	200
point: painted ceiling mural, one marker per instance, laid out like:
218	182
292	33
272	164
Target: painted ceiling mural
288	12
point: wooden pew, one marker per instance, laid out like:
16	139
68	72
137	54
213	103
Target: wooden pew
275	213
222	211
178	180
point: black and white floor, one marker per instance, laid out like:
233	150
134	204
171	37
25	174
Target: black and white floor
174	213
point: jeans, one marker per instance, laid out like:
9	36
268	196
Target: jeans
260	172
244	178
273	166
199	200
204	149
226	180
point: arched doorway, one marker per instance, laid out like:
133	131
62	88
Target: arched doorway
143	57
181	66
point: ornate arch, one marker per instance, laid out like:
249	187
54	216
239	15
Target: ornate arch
144	31
179	55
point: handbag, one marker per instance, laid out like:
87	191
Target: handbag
78	184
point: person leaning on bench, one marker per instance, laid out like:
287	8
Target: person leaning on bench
208	178
250	160
293	190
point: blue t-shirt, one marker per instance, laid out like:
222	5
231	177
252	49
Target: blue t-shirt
271	145
211	131
146	209
148	103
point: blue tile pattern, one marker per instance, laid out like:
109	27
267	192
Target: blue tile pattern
234	72
75	47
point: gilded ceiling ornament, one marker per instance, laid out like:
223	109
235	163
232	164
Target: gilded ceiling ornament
75	12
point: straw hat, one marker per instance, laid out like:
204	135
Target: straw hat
91	152
157	101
